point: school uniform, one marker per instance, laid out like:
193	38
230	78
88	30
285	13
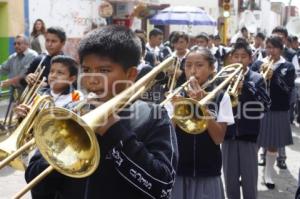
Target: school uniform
220	56
291	56
138	160
200	160
239	150
65	99
275	125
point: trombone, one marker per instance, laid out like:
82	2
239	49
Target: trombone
233	91
13	146
188	119
264	70
266	67
68	142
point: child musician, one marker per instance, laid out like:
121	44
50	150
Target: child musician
200	160
239	150
138	148
275	127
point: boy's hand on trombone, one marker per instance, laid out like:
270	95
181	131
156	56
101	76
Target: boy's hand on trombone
110	120
22	110
31	78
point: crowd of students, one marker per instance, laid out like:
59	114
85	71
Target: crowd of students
152	157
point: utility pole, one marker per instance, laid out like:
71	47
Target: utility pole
288	11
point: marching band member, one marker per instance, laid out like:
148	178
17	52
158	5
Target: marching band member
275	126
291	56
258	49
239	150
55	41
62	75
200	161
138	147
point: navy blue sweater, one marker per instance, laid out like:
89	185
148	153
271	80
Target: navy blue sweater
280	86
138	160
199	156
253	101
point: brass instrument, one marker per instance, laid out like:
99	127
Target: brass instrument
30	90
188	119
233	91
175	92
265	68
68	142
11	148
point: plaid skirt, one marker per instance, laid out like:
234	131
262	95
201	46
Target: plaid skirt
275	130
198	188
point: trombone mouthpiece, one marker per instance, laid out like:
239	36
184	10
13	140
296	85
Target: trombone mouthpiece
192	78
91	95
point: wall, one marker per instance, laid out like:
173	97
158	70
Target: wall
75	16
11	25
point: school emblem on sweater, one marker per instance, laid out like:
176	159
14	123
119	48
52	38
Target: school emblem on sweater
283	71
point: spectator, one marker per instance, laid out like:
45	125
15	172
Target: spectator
37	39
17	63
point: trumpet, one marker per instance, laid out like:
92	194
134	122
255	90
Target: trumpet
30	90
186	118
55	137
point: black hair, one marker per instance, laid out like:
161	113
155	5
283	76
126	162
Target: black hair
139	31
294	38
242	45
280	29
178	35
217	37
202	35
155	32
143	45
117	43
211	37
67	61
290	39
59	32
275	41
242	40
261	35
172	34
244	29
206	53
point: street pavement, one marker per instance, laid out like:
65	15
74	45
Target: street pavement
12	181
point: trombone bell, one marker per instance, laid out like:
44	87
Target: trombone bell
68	144
190	116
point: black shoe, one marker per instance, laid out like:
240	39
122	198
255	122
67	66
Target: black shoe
262	162
270	185
281	164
